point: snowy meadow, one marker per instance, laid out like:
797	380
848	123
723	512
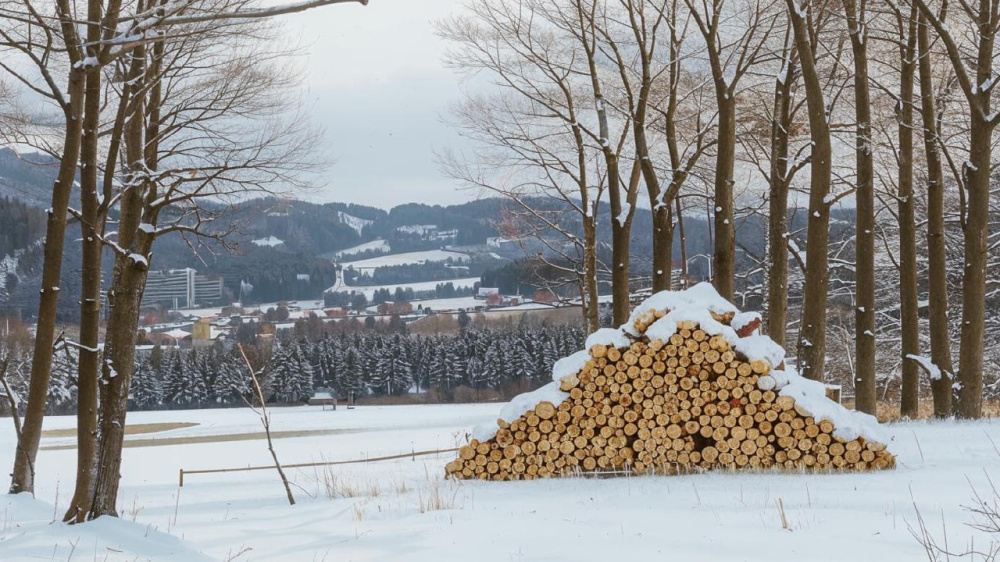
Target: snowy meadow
404	510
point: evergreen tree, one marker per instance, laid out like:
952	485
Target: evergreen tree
62	385
394	374
494	366
232	382
146	390
291	375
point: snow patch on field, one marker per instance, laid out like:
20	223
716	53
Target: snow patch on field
270	241
369	291
358	224
408	258
373	246
10	263
419	229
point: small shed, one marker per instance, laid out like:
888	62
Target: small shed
323	398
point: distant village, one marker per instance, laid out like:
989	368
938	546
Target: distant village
182	310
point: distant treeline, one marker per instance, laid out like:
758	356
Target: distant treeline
473	364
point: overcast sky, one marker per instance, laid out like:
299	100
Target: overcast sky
377	85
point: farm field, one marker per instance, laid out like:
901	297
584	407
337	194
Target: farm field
375	245
369	290
403	510
407	258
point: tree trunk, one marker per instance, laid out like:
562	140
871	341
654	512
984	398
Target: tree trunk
937	267
124	297
976	182
591	312
683	243
976	229
777	232
125	291
90	306
23	476
812	334
908	290
866	397
663	242
621	227
724	256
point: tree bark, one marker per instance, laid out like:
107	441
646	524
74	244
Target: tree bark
591	312
908	289
937	267
124	298
683	242
866	397
724	255
978	90
777	233
23	476
620	233
90	305
976	230
812	334
663	241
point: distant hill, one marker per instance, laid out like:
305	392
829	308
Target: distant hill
289	249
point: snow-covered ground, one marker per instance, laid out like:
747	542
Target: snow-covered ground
402	510
270	241
374	246
369	291
408	258
358	224
457	303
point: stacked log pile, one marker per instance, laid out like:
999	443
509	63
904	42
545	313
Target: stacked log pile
689	402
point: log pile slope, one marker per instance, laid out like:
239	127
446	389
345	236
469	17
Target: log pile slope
687	384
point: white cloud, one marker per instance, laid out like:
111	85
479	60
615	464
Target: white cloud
377	85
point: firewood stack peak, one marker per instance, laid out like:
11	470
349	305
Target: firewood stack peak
685	385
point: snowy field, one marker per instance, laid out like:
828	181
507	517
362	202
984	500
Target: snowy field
402	510
369	291
408	258
374	246
456	303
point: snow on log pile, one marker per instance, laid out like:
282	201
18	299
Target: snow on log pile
686	384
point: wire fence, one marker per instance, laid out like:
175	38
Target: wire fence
412	454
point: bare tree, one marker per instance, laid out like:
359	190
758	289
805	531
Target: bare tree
536	138
812	334
864	312
937	269
217	131
49	46
583	25
729	59
908	291
780	173
61	38
975	32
